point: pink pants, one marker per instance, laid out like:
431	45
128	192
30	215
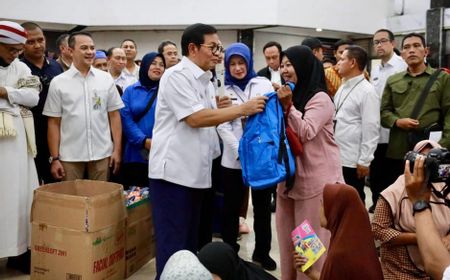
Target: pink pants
291	213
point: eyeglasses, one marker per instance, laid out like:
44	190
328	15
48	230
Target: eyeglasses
381	41
215	49
12	50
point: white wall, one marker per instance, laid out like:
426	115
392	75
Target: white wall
408	16
148	41
344	15
360	16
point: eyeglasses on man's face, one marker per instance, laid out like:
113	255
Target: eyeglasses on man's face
381	41
11	49
216	49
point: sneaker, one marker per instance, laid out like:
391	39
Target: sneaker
243	228
265	261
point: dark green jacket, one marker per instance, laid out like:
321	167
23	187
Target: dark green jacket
399	98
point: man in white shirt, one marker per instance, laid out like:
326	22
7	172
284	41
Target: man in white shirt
83	109
130	48
391	63
185	142
357	118
272	51
116	67
170	52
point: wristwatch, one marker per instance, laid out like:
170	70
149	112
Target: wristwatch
420	205
52	159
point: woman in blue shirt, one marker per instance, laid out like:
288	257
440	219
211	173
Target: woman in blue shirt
138	118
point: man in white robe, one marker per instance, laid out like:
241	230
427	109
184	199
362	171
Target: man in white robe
18	177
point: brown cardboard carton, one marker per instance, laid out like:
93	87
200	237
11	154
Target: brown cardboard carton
140	237
78	231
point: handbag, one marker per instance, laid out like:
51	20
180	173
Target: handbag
415	136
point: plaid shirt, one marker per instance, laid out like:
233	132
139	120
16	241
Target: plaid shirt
395	260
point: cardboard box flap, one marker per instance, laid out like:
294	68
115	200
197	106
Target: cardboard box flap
139	210
82	205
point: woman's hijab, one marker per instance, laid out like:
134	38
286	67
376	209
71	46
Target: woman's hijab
310	75
184	265
243	51
220	259
352	253
143	70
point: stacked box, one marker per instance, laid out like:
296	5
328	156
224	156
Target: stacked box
78	231
140	237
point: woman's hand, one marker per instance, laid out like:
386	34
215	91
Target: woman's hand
299	261
285	96
416	183
148	143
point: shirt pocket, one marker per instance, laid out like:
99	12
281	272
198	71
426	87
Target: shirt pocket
399	91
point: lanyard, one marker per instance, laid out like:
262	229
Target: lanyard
239	95
338	107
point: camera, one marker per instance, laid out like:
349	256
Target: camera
437	164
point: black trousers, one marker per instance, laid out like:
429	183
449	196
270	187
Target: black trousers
134	174
262	220
352	179
233	195
384	171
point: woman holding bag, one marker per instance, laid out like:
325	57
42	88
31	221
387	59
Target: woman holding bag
309	114
241	85
138	118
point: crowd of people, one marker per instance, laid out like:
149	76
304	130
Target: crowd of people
170	124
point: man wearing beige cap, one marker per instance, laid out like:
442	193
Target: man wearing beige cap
18	91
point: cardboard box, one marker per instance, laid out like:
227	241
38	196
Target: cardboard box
140	236
78	231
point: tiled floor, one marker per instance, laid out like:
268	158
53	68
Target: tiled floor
147	272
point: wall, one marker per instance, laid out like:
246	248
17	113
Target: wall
408	16
344	15
148	41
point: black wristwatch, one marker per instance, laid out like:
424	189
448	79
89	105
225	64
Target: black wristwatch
52	159
420	205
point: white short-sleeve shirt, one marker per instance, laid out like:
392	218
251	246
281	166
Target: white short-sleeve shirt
181	154
124	80
83	104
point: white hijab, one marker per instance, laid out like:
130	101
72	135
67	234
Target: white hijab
184	265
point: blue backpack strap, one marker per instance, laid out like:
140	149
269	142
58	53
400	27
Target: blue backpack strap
282	151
